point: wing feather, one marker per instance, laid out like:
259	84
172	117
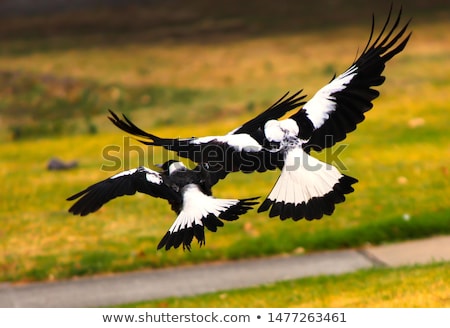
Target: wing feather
339	106
128	182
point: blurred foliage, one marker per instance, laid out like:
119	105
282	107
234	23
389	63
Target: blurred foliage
44	105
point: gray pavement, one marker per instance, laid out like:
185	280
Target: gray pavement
193	280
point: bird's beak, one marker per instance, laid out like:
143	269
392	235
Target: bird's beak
159	165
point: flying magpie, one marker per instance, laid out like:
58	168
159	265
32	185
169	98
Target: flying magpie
187	191
306	188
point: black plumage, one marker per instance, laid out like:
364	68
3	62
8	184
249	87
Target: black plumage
187	191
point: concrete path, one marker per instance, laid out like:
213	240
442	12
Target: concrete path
192	280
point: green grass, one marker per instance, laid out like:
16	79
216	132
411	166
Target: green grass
62	86
28	97
415	286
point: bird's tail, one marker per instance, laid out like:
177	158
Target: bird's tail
306	188
200	211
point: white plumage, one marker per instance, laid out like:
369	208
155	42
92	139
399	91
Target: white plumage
323	103
303	178
196	206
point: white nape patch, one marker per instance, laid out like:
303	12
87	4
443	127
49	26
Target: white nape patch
240	141
197	205
124	173
175	166
322	104
303	177
273	131
290	127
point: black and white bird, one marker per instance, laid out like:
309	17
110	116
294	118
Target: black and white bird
306	188
187	191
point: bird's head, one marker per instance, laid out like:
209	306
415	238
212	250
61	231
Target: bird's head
290	127
273	131
278	130
171	166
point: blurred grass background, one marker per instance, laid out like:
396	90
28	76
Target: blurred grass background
198	69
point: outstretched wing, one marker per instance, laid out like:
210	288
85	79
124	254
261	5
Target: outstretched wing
240	150
128	182
338	107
